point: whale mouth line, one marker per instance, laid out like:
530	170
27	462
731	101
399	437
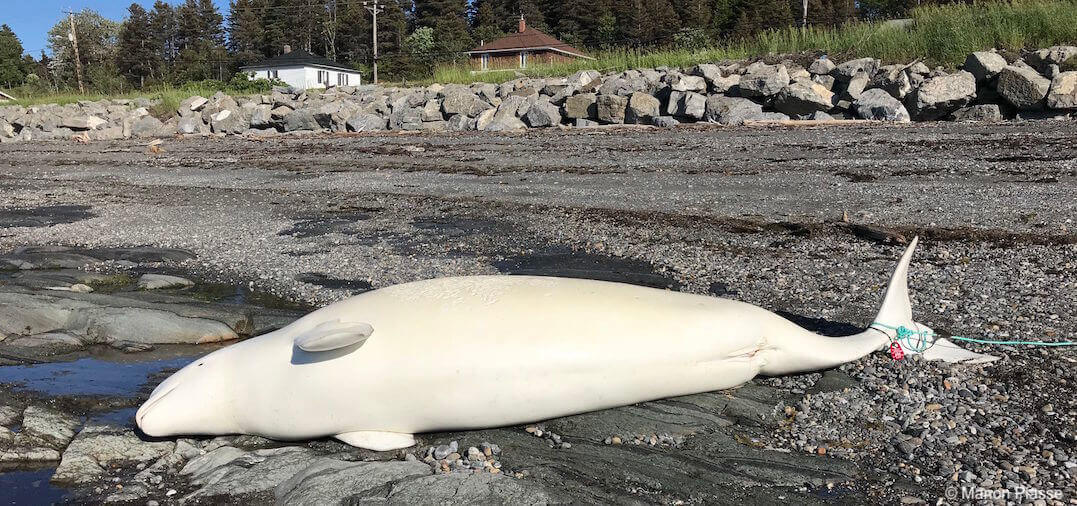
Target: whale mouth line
150	403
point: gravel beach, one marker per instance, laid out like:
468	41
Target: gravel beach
806	222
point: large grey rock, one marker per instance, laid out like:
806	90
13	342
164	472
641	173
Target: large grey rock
583	105
981	112
894	79
331	481
192	105
146	126
543	114
803	97
504	123
460	122
406	118
725	84
468	488
306	119
1055	55
1063	92
82	122
693	105
611	108
821	66
7	130
582	78
262	117
225	472
939	96
642	108
99	318
464	103
854	86
681	82
1022	87
984	65
665	121
877	104
432	110
765	81
847	70
190	125
229	121
98	450
366	122
731	110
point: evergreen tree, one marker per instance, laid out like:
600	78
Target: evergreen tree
448	19
135	57
163	36
663	21
485	25
244	32
757	15
574	25
13	68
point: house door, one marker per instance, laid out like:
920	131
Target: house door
523	58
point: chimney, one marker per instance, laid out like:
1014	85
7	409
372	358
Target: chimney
287	48
523	24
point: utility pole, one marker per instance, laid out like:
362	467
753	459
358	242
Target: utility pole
374	9
75	44
805	18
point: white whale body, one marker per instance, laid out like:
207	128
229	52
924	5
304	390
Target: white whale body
487	351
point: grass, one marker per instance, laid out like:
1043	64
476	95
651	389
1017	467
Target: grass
166	98
938	34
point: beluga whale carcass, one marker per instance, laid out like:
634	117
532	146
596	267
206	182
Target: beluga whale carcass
487	351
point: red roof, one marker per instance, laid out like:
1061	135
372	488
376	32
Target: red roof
528	39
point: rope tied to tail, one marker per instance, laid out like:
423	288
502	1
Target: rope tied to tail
920	340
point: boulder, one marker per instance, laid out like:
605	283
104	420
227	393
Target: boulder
821	66
82	123
708	71
693	106
984	65
460	122
7	130
642	108
582	78
939	96
583	105
146	126
847	70
854	86
731	110
665	121
611	108
894	79
681	82
764	81
432	110
543	114
586	123
824	80
803	97
366	122
192	105
1054	55
190	125
465	103
1022	86
877	104
229	121
981	112
262	116
306	119
725	84
406	118
1063	92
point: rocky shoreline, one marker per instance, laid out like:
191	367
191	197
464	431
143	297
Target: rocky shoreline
806	222
990	86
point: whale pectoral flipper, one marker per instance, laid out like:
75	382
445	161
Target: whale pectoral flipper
377	441
333	335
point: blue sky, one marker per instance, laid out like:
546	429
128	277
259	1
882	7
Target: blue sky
31	19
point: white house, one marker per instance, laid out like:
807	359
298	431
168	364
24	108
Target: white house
303	70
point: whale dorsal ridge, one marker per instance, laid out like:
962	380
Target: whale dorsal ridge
334	334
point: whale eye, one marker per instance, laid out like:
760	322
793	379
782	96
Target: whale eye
200	364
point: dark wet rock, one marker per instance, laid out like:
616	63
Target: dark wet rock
1023	87
320	279
43	216
331	481
981	112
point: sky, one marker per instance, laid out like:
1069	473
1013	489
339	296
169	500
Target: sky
31	19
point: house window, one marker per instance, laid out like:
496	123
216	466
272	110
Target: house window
272	74
485	58
342	79
323	77
523	58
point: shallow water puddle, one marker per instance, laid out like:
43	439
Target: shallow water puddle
29	487
86	376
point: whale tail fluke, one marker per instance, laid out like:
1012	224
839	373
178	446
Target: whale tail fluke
896	310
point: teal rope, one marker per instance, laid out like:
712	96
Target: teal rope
923	339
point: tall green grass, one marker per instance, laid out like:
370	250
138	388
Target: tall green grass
938	34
